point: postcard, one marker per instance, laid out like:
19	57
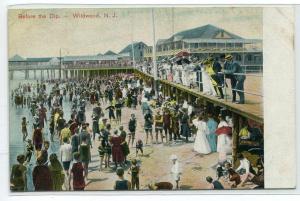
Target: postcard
150	98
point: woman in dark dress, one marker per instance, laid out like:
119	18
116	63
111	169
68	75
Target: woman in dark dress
58	176
167	124
37	139
117	152
175	125
41	175
185	129
77	172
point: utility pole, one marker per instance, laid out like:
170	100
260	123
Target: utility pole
132	45
154	56
60	62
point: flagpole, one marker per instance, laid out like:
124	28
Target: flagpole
132	46
60	65
154	54
132	49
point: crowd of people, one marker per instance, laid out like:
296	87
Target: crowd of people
208	75
68	167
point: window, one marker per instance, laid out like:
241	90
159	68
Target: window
249	57
238	45
229	45
222	34
220	45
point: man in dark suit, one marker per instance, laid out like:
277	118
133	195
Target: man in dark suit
237	77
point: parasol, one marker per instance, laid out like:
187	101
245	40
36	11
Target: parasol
182	54
224	130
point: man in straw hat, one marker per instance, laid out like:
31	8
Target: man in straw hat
237	77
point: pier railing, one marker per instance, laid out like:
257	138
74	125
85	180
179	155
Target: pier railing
225	87
199	83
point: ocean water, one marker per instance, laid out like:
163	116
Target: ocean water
16	144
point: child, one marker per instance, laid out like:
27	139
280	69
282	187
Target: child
24	128
175	171
220	171
134	170
121	183
101	151
29	150
234	178
214	184
139	146
123	133
77	172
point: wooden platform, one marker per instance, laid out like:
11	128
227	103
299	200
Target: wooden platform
252	109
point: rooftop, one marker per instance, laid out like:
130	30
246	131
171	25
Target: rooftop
17	58
204	32
91	58
109	52
128	48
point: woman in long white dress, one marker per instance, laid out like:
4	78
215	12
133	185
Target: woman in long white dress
208	87
201	144
224	143
184	77
176	74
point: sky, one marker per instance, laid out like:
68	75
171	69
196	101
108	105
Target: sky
114	28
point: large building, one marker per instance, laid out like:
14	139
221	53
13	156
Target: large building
210	40
138	53
18	62
105	60
109	59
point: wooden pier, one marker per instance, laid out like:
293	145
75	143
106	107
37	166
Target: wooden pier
240	112
250	110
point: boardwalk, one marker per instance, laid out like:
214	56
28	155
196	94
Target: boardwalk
253	107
